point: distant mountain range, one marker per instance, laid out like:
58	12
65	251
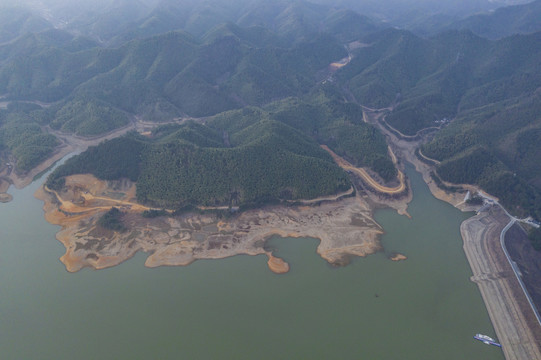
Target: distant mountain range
506	21
98	69
113	22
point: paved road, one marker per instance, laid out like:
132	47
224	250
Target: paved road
507	306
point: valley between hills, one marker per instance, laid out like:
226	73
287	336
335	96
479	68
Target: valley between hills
196	132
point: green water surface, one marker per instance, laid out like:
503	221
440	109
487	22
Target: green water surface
422	308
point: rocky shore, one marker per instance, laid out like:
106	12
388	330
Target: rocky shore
344	227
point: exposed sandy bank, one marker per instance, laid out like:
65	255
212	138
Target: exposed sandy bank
277	265
396	197
68	144
4	186
509	311
405	150
345	228
398	257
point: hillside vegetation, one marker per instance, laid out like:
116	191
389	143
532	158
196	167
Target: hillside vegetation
21	136
432	80
161	77
241	157
255	77
187	60
505	21
483	94
268	161
496	147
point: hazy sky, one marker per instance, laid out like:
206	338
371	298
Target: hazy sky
391	9
94	3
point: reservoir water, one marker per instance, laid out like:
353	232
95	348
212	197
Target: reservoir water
422	308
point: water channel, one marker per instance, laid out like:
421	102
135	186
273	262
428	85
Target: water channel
422	308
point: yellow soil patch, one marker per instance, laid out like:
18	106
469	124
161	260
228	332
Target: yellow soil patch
398	257
337	65
277	265
344	164
83	198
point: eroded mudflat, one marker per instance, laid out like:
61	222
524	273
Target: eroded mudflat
345	228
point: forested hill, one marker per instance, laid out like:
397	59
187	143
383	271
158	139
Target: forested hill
505	21
163	76
241	157
114	22
498	148
434	79
92	70
484	94
190	165
93	90
247	68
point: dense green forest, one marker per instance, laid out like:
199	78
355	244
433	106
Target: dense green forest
523	18
88	118
270	161
112	220
339	125
255	76
241	157
496	147
21	135
114	159
160	77
433	80
159	67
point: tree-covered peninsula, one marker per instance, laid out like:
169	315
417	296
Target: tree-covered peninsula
241	157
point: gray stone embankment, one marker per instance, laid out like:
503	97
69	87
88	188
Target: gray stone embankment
511	316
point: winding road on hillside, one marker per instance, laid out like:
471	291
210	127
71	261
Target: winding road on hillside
369	180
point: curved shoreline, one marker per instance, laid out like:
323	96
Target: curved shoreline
344	227
505	301
69	144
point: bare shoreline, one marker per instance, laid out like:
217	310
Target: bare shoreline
345	228
352	232
182	241
509	313
69	144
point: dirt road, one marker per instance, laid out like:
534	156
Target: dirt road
344	164
345	228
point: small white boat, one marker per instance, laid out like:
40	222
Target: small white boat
487	340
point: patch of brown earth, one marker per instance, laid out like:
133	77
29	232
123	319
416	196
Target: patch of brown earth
5	198
68	144
510	313
398	257
183	239
397	197
277	265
